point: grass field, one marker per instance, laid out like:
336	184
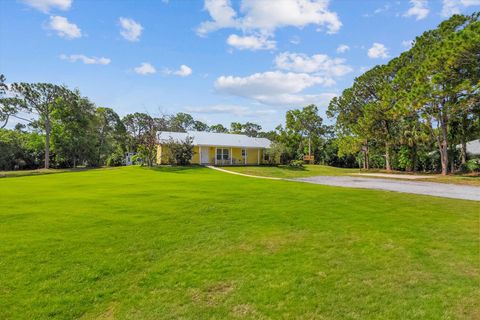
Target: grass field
194	243
289	172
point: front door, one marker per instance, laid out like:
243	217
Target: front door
204	155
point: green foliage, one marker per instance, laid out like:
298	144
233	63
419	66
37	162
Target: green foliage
472	165
20	150
276	154
427	96
179	152
116	159
296	164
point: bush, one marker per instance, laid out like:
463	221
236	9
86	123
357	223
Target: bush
472	165
115	159
296	164
180	152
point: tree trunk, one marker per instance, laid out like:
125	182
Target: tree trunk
414	158
463	151
443	142
47	142
388	165
443	147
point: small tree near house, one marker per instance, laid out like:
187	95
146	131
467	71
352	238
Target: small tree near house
180	152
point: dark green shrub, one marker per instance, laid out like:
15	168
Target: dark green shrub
470	166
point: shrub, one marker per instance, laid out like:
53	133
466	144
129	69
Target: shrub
296	164
115	159
180	152
472	165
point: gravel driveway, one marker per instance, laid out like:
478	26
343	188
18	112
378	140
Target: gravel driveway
417	187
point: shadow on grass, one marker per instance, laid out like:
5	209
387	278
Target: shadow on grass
40	172
174	169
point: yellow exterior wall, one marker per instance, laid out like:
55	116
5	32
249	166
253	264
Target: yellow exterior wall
252	156
236	153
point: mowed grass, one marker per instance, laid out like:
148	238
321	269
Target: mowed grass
194	243
287	172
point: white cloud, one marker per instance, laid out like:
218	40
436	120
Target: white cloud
343	48
378	50
451	7
145	68
264	17
130	29
235	110
407	44
272	87
64	28
252	42
321	64
46	5
85	59
419	9
183	71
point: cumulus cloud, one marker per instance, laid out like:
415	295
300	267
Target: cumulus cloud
343	48
235	110
272	87
264	17
183	71
85	59
46	6
130	29
253	42
378	50
64	28
419	9
321	64
450	7
145	68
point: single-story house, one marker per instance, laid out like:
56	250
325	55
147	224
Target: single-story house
217	148
473	148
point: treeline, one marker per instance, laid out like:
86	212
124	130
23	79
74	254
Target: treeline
60	128
396	115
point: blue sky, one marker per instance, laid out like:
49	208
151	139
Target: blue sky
219	60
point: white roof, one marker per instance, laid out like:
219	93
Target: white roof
215	139
473	147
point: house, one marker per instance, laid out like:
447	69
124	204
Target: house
217	148
129	158
473	148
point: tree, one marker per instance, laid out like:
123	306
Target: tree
41	99
74	139
136	125
179	152
111	134
182	122
147	144
200	126
218	128
306	123
8	104
251	129
236	127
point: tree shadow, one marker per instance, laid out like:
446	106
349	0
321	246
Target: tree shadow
174	169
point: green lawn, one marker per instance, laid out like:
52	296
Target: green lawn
194	243
289	172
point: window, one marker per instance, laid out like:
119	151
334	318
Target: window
244	153
222	154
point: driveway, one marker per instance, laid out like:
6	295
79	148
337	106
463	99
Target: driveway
416	187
